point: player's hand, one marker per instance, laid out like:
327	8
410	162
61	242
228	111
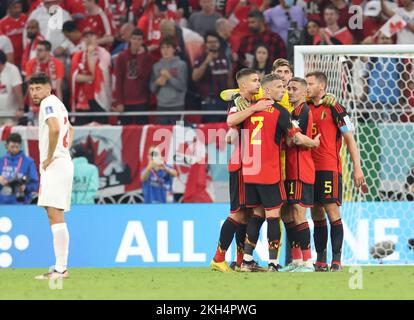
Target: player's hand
317	141
241	103
328	100
262	105
47	163
3	181
359	178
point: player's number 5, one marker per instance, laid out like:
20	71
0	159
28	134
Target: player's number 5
314	130
256	130
328	186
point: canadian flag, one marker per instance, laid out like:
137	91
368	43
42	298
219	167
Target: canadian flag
395	24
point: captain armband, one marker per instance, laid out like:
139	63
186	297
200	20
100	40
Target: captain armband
348	125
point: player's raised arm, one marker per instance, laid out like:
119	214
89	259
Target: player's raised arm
242	110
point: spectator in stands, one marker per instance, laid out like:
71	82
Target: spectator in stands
332	34
280	17
309	32
18	174
73	42
48	64
85	177
373	20
13	26
212	73
262	62
91	82
259	34
45	16
11	95
224	29
132	77
169	82
7	47
343	10
150	24
156	178
33	39
204	20
125	35
405	36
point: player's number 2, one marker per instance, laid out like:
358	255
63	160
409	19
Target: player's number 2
256	130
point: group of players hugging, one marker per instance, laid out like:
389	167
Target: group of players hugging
286	134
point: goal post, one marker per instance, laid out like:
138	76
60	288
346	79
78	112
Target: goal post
375	83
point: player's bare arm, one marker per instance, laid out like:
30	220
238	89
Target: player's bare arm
356	160
235	119
54	130
303	140
71	135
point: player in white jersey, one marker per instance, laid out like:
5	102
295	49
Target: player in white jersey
56	167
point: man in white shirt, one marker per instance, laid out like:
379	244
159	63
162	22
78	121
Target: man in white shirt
7	47
56	168
51	18
11	96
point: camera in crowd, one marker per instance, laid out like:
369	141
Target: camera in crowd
15	185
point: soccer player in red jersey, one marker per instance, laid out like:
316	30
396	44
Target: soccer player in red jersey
12	26
332	123
262	170
239	109
300	178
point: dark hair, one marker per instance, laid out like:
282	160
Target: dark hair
320	76
307	39
300	80
14	137
39	78
269	78
282	63
138	32
168	41
46	44
69	26
268	66
256	14
331	7
211	33
245	72
3	57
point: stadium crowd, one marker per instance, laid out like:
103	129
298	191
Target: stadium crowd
159	55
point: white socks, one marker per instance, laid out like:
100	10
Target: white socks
247	257
61	245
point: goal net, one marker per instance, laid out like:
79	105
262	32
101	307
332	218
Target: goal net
376	85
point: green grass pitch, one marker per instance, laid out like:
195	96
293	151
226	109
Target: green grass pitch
382	282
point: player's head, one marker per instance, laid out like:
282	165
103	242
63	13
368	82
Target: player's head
297	90
273	87
43	50
15	8
14	143
284	69
39	87
32	29
317	82
248	81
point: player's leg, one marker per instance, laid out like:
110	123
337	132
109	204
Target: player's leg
241	235
60	244
274	234
252	236
303	234
337	234
323	180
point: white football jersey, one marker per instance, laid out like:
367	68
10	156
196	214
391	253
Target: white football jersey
52	107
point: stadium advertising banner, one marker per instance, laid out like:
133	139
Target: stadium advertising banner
179	235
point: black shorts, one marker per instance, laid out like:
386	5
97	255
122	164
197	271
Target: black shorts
237	192
270	196
328	187
300	193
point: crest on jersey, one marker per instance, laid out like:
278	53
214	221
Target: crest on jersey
49	110
323	115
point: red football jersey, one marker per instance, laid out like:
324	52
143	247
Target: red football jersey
327	121
262	143
13	28
299	162
99	23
